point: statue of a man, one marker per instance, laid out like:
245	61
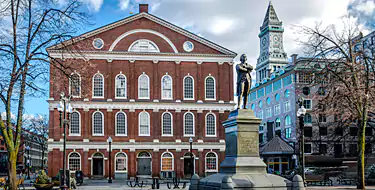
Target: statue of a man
243	81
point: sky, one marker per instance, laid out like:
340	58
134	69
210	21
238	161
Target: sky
233	24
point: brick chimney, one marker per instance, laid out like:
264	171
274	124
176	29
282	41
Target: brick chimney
143	8
294	58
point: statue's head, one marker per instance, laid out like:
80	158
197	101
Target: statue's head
243	58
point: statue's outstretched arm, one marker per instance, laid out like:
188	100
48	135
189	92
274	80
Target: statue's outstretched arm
241	67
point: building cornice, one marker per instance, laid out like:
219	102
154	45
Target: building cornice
147	106
131	56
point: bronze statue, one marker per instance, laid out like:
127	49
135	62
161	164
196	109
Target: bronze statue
243	81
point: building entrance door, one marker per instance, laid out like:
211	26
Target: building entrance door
144	163
188	165
97	164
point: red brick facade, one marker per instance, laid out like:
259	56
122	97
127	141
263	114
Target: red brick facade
210	61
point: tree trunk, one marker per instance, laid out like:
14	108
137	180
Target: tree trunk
361	156
12	170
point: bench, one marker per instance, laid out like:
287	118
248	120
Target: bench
317	180
347	180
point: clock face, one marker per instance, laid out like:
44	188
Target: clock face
276	38
188	46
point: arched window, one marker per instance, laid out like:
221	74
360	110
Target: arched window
286	93
74	162
120	83
75	85
166	84
277	97
143	45
98	86
188	124
210	125
167	125
308	119
121	124
288	121
211	162
188	88
97	124
143	87
121	162
75	124
278	122
167	161
210	88
144	124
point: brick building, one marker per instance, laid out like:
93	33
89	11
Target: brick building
153	86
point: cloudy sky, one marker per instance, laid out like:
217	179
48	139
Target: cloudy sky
233	24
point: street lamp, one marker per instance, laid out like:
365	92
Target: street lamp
65	109
28	161
191	156
301	115
110	165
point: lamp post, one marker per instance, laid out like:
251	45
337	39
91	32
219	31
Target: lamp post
110	160
28	161
191	156
64	109
301	115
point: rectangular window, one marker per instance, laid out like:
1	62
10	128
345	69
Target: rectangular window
353	131
287	80
323	131
278	132
368	148
269	112
322	118
253	96
286	106
339	131
277	85
269	89
308	131
307	104
308	149
304	77
288	133
260	127
323	148
353	149
260	138
277	109
368	131
260	115
260	93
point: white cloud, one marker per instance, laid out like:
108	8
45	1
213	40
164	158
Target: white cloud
124	4
94	4
222	25
367	8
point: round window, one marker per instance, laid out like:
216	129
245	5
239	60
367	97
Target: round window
277	97
260	104
268	101
98	43
188	46
306	90
286	94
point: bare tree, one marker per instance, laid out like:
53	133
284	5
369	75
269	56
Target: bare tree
349	64
28	27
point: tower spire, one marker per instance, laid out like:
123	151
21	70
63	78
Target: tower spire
270	17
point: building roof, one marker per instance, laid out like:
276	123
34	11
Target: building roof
271	17
276	146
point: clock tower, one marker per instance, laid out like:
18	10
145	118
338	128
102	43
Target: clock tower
272	55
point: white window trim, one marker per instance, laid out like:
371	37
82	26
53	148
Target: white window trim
80	161
149	41
311	105
79	124
98	73
205	162
308	124
126	125
188	135
126	163
162	90
162	126
285	121
70	83
139	124
276	122
92	163
92	124
215	124
184	87
161	161
277	105
288	127
268	111
126	86
93	43
148	84
287	102
205	88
